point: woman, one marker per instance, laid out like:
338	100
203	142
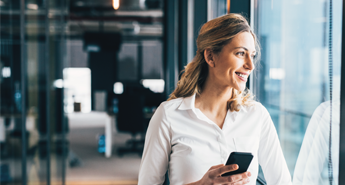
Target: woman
209	115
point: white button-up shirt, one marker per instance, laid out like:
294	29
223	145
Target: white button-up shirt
182	140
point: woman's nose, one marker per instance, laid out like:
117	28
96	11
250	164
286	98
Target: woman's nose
249	64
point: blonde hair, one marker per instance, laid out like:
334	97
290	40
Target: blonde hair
214	34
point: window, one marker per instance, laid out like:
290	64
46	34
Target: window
293	81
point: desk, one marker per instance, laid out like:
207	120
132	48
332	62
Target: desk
93	120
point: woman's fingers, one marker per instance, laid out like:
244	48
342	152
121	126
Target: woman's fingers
241	178
217	166
220	170
241	182
213	176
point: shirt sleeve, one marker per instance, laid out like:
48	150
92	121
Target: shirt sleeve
157	149
270	154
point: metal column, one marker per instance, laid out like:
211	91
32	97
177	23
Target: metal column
170	45
47	86
23	87
342	108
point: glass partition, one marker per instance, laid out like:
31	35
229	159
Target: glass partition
59	61
31	60
10	111
298	81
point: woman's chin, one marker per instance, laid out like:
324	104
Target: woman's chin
240	88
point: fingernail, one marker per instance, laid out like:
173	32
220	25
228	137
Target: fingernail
236	167
249	174
247	180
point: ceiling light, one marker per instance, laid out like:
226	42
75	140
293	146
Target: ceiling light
116	4
118	88
58	83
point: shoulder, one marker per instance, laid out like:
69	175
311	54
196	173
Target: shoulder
325	106
164	111
256	107
171	104
258	111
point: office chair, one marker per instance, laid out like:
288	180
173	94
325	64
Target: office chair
130	119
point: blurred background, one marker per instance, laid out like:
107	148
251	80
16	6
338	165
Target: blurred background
80	79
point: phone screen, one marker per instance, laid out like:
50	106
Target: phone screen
242	159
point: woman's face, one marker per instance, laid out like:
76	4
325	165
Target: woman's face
234	63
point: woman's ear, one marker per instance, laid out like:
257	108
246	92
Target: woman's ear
209	57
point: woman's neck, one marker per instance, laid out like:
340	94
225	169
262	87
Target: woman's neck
212	101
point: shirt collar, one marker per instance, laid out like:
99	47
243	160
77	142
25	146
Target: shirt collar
189	103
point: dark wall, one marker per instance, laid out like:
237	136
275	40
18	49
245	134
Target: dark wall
200	18
240	6
103	72
10	57
102	60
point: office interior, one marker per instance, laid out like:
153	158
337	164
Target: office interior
80	80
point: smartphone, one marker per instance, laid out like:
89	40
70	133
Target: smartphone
242	159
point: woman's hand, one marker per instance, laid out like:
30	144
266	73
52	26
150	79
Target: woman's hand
213	176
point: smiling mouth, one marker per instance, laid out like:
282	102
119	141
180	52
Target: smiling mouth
242	76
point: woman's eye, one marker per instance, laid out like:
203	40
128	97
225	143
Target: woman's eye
241	53
253	56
